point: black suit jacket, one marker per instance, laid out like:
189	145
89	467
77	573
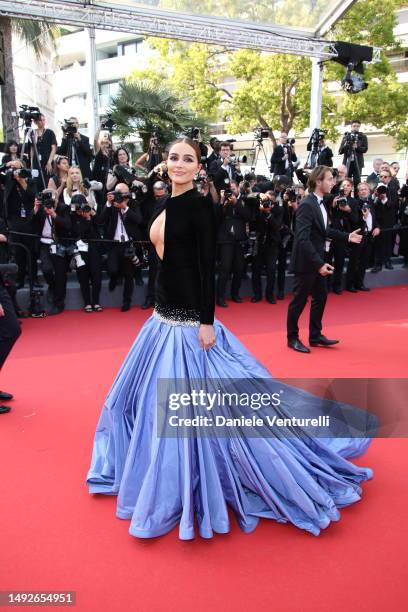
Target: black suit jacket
132	220
222	175
373	178
83	153
277	161
310	237
359	151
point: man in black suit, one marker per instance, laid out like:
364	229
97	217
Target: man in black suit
307	263
374	178
283	157
123	222
352	147
76	147
223	170
9	333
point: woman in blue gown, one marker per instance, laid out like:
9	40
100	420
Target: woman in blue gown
190	481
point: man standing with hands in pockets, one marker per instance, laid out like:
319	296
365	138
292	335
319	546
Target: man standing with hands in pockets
312	236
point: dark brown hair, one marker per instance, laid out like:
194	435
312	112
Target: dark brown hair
317	174
190	142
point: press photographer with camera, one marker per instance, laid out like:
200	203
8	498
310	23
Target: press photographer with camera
46	144
339	210
285	196
154	155
284	159
122	171
232	213
226	168
58	180
123	219
76	184
267	225
10	331
19	190
103	163
50	221
386	210
353	146
374	177
86	258
369	230
75	146
307	262
403	217
205	185
214	156
320	153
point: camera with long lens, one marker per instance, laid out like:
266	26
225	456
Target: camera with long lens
80	203
238	159
290	141
46	198
23	173
69	128
316	136
341	200
29	113
195	133
138	257
251	245
108	124
260	133
352	138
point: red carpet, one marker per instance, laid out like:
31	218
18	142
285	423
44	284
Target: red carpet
55	536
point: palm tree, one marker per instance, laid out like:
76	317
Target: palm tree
38	35
141	108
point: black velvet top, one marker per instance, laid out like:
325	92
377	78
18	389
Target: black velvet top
185	276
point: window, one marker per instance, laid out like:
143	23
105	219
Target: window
129	48
107	91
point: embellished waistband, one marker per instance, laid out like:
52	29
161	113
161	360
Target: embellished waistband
189	317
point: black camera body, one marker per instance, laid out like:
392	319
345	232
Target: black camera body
29	113
261	133
24	173
69	128
291	193
46	198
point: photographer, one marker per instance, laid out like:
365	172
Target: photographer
75	146
324	154
369	230
102	164
86	258
374	178
267	225
205	186
284	157
122	221
386	210
122	171
10	331
47	147
18	202
76	184
353	146
284	196
154	156
50	221
58	181
340	218
232	214
214	156
225	169
403	217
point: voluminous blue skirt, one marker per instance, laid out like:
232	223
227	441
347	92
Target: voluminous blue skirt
163	482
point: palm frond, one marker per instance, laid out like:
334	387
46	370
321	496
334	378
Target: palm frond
37	34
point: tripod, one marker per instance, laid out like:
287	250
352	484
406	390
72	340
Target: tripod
313	156
257	152
30	136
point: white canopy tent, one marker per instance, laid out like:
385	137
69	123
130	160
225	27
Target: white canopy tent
282	26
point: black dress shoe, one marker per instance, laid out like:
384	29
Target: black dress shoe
297	345
376	269
389	266
271	300
255	299
125	307
337	291
5	396
236	299
322	341
147	304
363	288
221	302
55	310
351	290
4	409
281	295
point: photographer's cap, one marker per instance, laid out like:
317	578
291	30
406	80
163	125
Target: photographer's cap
79	198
